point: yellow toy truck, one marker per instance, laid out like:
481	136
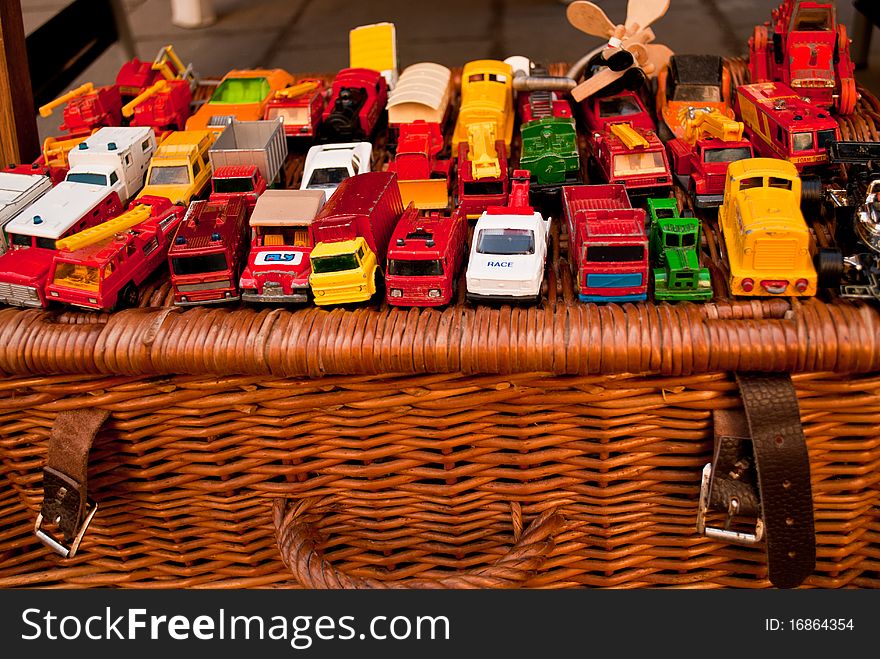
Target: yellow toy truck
768	243
486	95
180	169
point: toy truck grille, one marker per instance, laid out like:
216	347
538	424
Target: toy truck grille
775	254
19	295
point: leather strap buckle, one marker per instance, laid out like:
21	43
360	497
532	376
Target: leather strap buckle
66	506
726	534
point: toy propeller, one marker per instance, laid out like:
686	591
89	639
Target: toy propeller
628	45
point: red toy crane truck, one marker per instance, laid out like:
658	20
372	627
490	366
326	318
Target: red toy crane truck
102	267
299	107
780	124
807	49
278	266
357	103
208	253
425	258
608	245
422	176
712	141
483	178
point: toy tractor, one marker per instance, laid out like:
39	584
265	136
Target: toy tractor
805	47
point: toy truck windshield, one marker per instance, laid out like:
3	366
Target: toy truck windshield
506	241
475	188
200	264
169	175
725	154
76	275
234	184
615	253
328	177
415	267
812	19
619	106
335	263
639	163
697	93
91	178
294	116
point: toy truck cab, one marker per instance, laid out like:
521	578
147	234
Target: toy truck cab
486	95
328	165
632	157
623	108
180	170
509	250
237	181
102	267
352	232
299	107
278	264
767	241
208	253
675	251
805	47
483	179
17	192
424	258
608	246
780	124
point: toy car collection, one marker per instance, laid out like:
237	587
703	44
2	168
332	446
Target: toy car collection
608	245
120	189
675	254
425	256
351	233
278	266
806	48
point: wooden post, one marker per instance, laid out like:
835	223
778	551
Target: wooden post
19	140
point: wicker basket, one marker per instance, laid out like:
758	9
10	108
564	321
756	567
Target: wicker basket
544	447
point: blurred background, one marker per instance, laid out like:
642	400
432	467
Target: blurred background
312	35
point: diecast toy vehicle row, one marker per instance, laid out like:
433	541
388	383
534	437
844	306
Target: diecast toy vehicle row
137	180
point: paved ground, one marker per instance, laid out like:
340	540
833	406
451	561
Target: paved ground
312	35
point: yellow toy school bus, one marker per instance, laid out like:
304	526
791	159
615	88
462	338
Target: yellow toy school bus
486	95
767	241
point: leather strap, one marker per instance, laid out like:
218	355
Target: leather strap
761	464
65	476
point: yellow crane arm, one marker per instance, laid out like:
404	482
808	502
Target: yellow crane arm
152	90
105	230
630	137
295	91
481	150
699	123
82	90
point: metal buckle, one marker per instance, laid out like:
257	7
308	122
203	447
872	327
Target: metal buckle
725	534
50	541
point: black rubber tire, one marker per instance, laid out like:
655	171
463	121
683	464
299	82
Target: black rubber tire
128	297
663	131
812	193
829	267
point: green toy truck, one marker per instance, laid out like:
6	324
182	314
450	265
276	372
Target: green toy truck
675	252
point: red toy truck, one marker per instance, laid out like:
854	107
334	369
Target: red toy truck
351	238
633	157
806	48
278	265
299	106
625	107
424	259
608	246
357	101
208	253
102	267
87	108
422	176
780	124
483	179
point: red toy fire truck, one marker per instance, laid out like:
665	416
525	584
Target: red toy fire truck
780	124
608	246
208	253
631	156
357	102
806	48
425	258
300	107
102	267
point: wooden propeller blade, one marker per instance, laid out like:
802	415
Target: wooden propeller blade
657	56
595	83
644	12
589	18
